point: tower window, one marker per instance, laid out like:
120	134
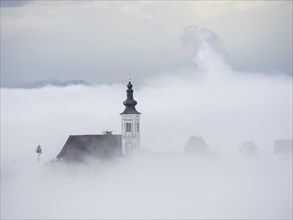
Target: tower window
128	127
137	127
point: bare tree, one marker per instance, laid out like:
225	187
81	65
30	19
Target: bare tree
39	152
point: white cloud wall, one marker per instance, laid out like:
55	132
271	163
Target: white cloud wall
223	106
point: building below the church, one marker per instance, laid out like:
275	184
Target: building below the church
283	147
107	145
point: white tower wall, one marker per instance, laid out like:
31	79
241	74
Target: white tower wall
130	133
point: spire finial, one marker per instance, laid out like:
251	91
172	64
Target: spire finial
129	77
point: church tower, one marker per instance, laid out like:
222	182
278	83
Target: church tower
130	123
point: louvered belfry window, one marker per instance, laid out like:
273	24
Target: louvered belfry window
128	127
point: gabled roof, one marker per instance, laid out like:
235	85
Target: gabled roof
78	147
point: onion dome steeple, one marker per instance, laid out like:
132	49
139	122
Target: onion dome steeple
130	103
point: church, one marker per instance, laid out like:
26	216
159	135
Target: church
103	146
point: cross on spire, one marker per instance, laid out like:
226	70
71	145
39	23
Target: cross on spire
129	77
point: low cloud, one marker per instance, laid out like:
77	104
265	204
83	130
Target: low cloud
215	102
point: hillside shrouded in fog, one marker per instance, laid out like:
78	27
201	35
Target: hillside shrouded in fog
224	109
207	98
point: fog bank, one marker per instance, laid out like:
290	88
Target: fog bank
213	101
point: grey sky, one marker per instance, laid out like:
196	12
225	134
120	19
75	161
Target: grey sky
102	41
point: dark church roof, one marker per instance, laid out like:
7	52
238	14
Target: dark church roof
79	147
130	103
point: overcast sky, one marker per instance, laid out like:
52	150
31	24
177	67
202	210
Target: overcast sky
100	42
